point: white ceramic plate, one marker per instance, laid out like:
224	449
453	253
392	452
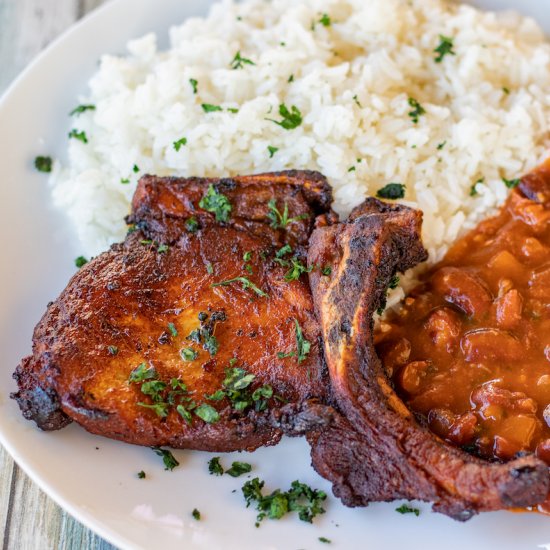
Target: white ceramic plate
94	478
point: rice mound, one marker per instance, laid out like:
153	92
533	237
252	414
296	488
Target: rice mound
350	67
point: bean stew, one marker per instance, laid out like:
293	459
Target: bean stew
469	352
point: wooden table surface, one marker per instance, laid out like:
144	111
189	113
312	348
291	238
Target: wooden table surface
29	520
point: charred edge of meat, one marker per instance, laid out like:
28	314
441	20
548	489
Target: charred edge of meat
374	206
36	403
297	419
377	451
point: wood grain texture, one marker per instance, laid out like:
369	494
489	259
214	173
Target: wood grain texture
29	520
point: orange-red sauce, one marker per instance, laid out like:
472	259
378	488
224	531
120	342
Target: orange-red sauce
470	350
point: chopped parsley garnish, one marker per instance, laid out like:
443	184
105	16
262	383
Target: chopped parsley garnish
82	109
239	62
205	334
296	270
165	397
247	256
194	84
325	20
302	345
326	271
286	249
324	540
211	344
113	350
81	261
167	457
394	282
195	336
153	388
236	388
290	78
299	498
141	475
246	284
511	183
263	392
196	514
172	329
237	379
291	119
217	204
441	145
278	219
272	150
391	191
208	413
473	188
445	48
160	409
506	90
214	466
208	108
135	168
357	102
162	248
81	136
417	111
192	224
238	469
218	395
142	373
180	143
188	354
232	110
43	164
406	509
124	181
185	413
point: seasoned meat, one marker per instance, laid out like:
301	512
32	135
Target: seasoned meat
191	333
162	207
375	450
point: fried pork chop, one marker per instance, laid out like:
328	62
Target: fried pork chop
199	330
376	450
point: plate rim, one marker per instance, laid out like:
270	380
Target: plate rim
89	520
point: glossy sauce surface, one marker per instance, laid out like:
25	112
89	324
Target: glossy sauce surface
470	350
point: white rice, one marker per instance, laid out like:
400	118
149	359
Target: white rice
489	105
